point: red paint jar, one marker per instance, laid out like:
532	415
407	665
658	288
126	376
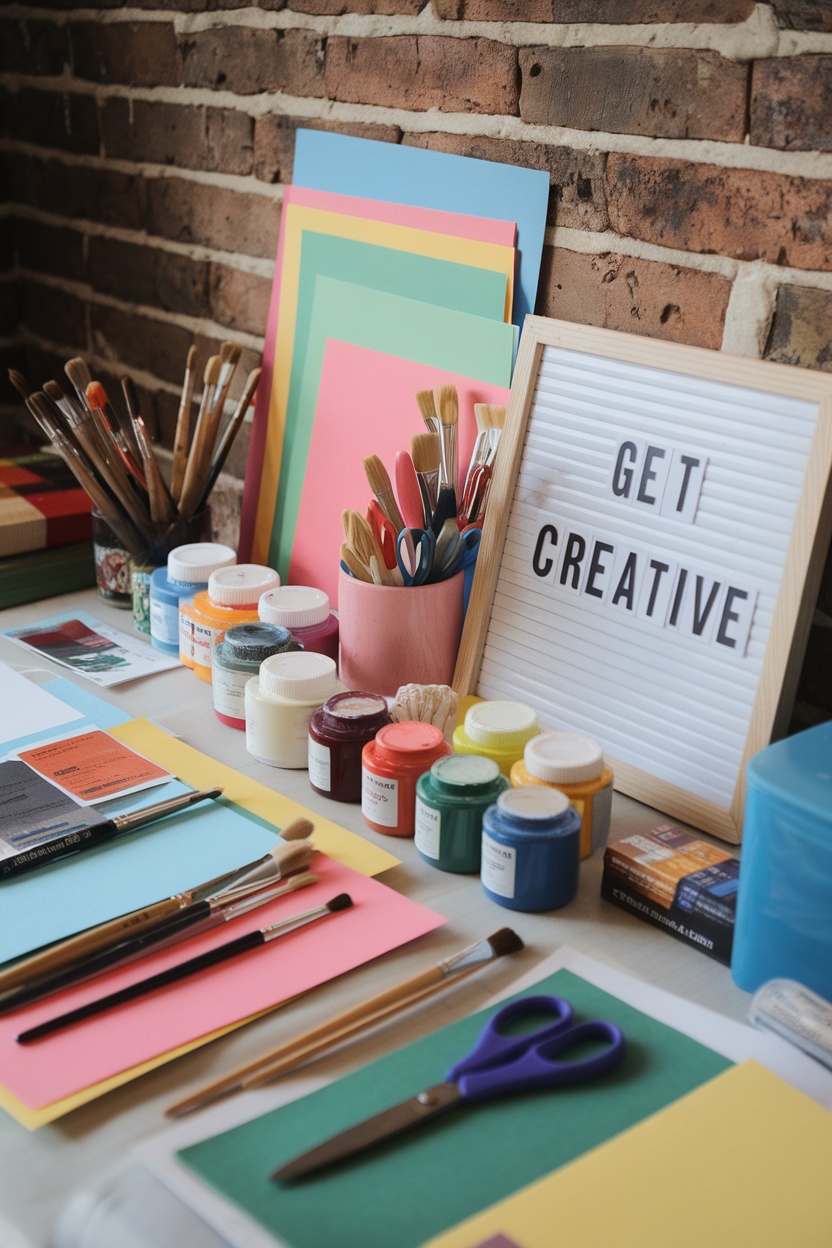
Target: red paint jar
338	732
390	766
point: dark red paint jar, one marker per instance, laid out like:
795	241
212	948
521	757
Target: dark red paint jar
338	732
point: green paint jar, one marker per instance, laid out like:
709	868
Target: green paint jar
451	799
237	657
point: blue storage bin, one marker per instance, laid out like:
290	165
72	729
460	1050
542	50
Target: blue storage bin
784	906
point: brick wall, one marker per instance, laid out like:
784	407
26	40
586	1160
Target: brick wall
145	150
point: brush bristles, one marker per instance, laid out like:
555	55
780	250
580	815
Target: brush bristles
96	394
20	383
425	451
303	880
489	415
342	902
447	404
78	373
378	477
426	405
293	857
505	941
212	371
298	830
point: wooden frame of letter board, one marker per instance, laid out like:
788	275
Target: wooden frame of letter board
794	598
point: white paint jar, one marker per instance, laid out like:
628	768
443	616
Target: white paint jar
279	703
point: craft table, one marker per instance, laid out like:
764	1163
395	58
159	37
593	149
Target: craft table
88	1151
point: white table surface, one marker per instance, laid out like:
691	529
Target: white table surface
41	1172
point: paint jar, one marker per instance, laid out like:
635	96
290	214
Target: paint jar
451	800
531	849
237	657
574	764
186	574
499	730
305	611
279	702
231	598
390	766
338	732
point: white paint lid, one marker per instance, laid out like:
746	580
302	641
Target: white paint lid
294	606
501	725
303	675
195	563
563	757
241	585
531	801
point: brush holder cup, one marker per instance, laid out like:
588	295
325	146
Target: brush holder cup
392	637
112	563
184	531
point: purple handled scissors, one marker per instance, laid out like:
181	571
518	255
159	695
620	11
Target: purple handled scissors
498	1064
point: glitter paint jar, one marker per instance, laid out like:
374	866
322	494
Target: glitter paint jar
279	704
531	849
231	598
390	766
305	612
237	657
338	732
499	730
186	575
575	765
451	800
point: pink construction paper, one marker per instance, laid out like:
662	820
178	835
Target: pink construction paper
458	225
362	389
97	1048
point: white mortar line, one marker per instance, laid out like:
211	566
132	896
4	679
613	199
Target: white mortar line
750	310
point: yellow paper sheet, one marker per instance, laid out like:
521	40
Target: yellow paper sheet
296	219
742	1160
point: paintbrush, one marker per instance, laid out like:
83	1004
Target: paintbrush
229	434
427	406
182	437
198	917
199	455
212	957
162	510
287	857
362	542
354	566
20	383
79	374
379	482
361	1017
447	405
425	451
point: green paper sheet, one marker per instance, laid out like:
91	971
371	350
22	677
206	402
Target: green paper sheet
412	327
428	1179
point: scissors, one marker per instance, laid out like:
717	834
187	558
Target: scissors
415	550
498	1064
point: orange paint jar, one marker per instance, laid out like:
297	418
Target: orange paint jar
231	598
574	765
390	766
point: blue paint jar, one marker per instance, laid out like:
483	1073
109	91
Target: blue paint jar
451	800
531	845
186	573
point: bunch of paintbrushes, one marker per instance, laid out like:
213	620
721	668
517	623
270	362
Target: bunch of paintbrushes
426	529
111	454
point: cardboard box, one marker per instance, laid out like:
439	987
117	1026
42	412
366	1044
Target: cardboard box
678	883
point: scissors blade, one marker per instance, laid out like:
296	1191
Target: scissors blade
401	1117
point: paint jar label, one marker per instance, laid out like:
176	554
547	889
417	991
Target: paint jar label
428	826
204	638
379	799
186	636
498	867
320	769
230	692
164	621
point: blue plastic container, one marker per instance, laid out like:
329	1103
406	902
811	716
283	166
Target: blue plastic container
531	845
784	907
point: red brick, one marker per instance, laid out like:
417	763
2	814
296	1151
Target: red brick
247	60
216	139
138	342
421	72
33	47
213	217
610	12
635	296
89	194
744	213
578	194
140	54
813	15
54	315
335	8
800	328
50	249
791	103
274	141
149	276
239	301
650	91
61	120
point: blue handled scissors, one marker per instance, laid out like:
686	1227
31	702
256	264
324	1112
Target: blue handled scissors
498	1064
415	551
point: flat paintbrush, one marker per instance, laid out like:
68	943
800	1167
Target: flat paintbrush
426	451
427	407
361	1017
182	437
212	957
229	434
379	482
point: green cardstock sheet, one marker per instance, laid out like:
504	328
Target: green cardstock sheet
408	323
422	1182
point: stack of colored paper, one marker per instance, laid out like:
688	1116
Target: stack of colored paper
398	269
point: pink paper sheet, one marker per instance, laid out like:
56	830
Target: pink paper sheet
360	389
458	225
97	1048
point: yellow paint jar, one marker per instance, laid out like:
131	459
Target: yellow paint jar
574	765
498	730
231	598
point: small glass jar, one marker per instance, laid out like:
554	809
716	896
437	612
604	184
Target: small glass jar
338	732
531	849
499	730
305	612
231	598
237	657
184	530
575	765
186	574
112	563
451	800
279	703
390	766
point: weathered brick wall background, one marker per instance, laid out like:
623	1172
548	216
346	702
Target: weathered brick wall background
145	150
